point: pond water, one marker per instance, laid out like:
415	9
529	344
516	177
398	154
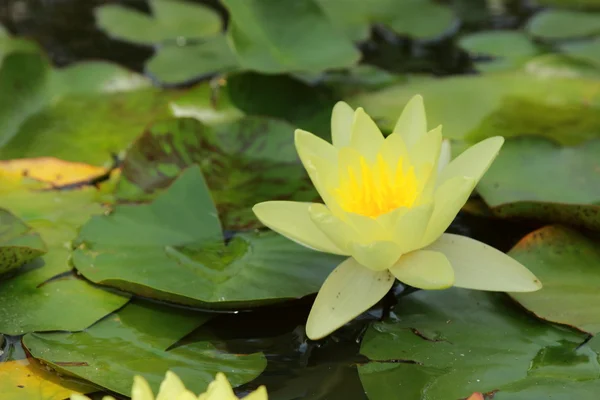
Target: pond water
163	130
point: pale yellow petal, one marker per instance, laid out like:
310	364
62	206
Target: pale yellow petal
341	124
308	144
141	390
292	220
427	148
369	229
411	226
366	136
479	266
170	387
348	291
445	155
82	397
340	233
219	389
378	256
259	394
393	148
424	269
187	395
473	162
448	200
412	123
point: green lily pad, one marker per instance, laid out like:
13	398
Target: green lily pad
40	296
538	179
587	51
421	19
563	24
575	4
170	20
509	49
350	16
19	243
176	64
244	162
555	65
476	107
173	249
275	37
449	344
134	341
567	263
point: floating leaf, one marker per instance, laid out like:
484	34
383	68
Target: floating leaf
134	341
422	19
40	297
350	16
448	344
245	162
588	51
19	244
177	64
173	249
567	264
509	49
517	183
171	20
273	36
563	24
555	65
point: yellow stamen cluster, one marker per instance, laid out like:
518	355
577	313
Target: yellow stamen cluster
373	189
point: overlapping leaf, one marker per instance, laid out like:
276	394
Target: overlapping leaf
449	344
134	341
173	249
19	244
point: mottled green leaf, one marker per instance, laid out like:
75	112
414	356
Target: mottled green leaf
568	265
449	344
173	249
134	341
19	243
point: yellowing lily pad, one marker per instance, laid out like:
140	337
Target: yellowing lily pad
27	379
567	263
244	162
136	341
537	179
173	249
52	170
448	344
40	295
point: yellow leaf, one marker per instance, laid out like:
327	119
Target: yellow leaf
476	396
52	170
23	379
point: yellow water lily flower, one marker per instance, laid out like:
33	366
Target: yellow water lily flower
388	202
172	388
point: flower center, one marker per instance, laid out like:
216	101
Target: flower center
378	188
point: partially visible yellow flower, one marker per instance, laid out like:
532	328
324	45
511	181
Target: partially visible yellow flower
172	388
387	202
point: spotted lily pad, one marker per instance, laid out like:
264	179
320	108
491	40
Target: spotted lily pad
173	249
567	262
244	162
136	341
449	344
19	243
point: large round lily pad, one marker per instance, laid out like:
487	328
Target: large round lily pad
538	179
449	344
564	24
19	244
134	341
173	249
568	264
244	162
